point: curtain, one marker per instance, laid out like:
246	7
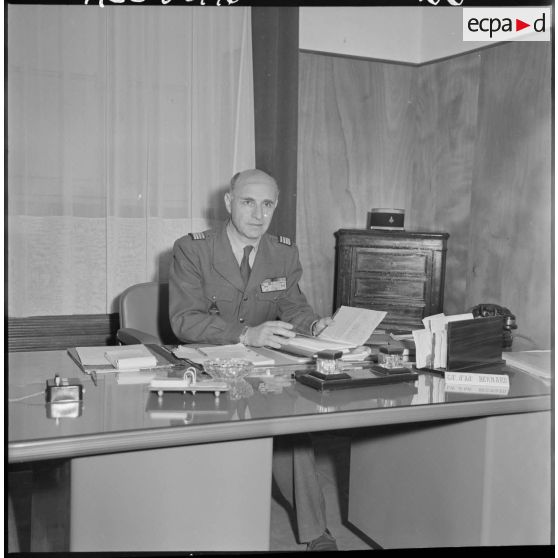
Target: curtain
275	55
125	125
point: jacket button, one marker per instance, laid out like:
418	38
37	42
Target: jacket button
241	320
245	298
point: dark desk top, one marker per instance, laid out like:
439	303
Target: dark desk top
119	417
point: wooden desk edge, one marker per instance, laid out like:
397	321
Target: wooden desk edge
114	442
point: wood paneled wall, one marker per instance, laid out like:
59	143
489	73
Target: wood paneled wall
49	333
463	145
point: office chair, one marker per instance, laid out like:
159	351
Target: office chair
144	315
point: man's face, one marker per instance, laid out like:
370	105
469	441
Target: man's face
251	206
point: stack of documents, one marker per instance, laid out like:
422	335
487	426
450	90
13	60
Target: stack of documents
535	363
309	346
431	343
358	354
201	354
351	327
131	357
122	358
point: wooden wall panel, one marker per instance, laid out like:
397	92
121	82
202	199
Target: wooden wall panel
49	333
462	144
445	105
355	153
510	245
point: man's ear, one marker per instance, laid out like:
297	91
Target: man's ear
228	199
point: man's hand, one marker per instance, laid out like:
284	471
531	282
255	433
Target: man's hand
320	325
269	334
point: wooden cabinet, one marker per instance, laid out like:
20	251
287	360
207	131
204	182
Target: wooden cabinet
400	272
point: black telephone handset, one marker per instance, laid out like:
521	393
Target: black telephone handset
508	319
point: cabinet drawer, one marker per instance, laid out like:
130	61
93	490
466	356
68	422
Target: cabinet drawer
390	261
377	285
395	312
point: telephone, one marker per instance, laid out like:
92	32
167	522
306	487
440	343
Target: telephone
508	319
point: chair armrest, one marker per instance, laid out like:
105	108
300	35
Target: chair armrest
131	336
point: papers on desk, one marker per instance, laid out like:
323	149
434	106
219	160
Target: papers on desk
131	357
124	358
201	354
431	343
351	327
535	363
309	346
358	354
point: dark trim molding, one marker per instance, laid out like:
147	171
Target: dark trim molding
275	67
49	333
400	62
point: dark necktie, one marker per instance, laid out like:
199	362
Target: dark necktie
244	265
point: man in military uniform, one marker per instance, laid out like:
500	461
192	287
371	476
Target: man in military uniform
238	283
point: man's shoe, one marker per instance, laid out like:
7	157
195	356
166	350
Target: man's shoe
323	543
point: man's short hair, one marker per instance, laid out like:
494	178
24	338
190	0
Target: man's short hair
252	175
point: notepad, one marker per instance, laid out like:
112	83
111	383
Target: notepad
94	359
131	357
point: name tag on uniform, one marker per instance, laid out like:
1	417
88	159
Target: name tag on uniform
277	284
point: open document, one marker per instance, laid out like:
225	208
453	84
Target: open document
351	327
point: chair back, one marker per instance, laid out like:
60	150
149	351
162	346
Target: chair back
145	307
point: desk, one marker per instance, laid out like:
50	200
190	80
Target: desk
148	474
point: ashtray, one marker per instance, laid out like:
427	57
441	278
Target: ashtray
227	369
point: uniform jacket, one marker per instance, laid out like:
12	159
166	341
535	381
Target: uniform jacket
207	299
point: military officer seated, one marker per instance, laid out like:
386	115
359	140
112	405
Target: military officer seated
237	283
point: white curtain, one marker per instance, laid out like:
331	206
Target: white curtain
124	126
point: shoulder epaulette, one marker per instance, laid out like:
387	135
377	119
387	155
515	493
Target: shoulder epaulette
197	236
285	240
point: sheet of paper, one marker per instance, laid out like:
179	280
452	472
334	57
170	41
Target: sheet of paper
459	317
191	353
130	357
237	351
423	347
282	358
434	322
92	356
315	344
537	363
95	359
436	355
440	348
353	325
357	355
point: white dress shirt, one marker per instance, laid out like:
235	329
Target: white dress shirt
238	246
